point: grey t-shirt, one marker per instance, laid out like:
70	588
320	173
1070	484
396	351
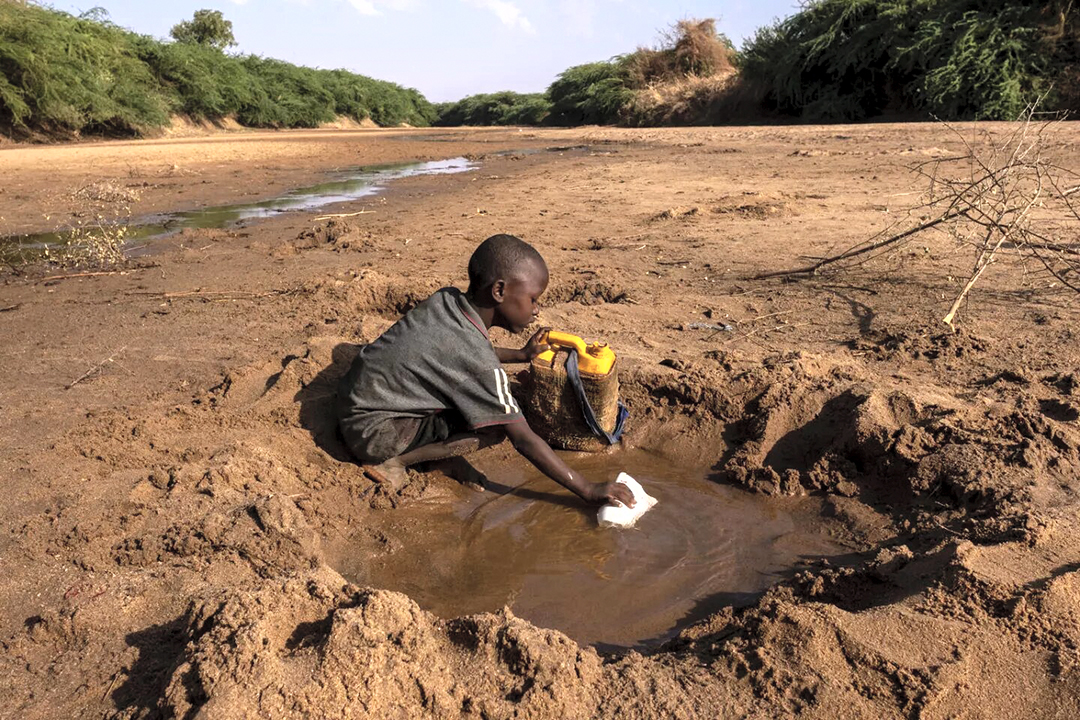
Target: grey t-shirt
437	358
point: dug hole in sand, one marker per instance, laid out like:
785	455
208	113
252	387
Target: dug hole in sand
869	621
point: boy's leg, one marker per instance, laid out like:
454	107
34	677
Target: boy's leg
449	450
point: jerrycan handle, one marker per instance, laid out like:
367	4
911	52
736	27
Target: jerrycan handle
566	340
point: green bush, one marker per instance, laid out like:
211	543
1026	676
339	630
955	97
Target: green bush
64	73
976	59
592	94
285	95
852	59
60	73
200	81
385	103
501	108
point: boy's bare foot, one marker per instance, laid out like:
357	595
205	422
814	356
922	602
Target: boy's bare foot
391	473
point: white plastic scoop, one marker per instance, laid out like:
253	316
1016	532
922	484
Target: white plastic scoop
616	514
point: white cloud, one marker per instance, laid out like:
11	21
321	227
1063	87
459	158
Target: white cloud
508	13
581	15
374	7
366	7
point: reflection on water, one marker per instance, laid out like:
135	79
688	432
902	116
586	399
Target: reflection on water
539	551
351	185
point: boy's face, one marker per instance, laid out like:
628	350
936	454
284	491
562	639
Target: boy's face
518	300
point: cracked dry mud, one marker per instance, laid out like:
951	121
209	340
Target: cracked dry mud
173	521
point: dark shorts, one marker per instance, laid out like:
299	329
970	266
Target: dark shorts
398	435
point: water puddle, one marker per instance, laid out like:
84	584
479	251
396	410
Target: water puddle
349	185
539	551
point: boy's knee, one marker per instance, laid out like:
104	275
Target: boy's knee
476	440
491	435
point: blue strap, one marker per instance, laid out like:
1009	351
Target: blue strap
574	376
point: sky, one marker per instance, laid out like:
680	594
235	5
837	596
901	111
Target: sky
447	49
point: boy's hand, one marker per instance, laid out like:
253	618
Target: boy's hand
536	345
539	454
604	493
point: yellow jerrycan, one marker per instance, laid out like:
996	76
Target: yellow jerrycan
574	394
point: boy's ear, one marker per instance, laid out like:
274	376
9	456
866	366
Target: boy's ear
498	290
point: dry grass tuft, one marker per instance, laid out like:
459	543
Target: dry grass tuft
106	192
92	245
689	49
698	49
684	101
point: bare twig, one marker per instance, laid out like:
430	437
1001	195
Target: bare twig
112	683
857	250
762	317
345	215
206	293
84	274
210	294
767	330
95	369
984	262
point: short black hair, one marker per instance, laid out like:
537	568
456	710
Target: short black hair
499	257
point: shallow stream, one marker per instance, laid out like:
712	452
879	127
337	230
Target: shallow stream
347	185
531	545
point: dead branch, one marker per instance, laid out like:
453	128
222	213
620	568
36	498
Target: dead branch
210	294
95	369
345	215
1004	199
767	330
83	275
860	250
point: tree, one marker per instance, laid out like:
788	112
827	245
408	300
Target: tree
207	27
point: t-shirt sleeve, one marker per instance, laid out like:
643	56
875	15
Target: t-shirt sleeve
483	398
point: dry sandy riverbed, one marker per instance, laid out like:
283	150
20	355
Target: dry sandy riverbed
176	521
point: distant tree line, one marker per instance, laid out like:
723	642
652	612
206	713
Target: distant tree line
977	59
834	60
61	74
838	60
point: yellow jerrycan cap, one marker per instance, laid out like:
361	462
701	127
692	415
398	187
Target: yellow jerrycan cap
594	359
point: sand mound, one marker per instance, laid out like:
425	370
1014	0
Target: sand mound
313	645
841	432
585	292
337	233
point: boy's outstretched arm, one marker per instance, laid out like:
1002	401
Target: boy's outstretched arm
534	347
540	454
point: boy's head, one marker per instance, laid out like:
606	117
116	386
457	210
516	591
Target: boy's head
508	275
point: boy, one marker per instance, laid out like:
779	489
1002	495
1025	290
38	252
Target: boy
432	387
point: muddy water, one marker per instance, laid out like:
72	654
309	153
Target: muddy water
534	547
